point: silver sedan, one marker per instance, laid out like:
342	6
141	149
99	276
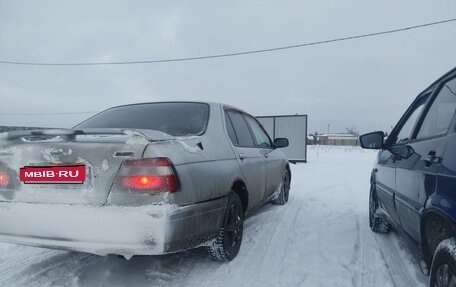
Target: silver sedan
141	179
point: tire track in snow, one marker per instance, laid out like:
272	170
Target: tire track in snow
396	259
19	258
271	251
57	270
258	228
370	273
30	266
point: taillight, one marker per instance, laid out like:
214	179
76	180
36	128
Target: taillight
5	179
147	175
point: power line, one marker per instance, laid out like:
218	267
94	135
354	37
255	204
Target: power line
45	114
228	54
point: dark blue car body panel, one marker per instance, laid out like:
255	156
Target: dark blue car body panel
444	198
410	188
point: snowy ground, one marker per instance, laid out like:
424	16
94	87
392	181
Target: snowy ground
320	238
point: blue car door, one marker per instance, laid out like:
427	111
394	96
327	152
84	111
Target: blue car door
416	173
386	182
446	178
388	158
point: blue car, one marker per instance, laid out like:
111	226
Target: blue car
413	183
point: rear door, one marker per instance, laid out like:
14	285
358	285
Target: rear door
386	175
416	176
275	160
251	159
446	178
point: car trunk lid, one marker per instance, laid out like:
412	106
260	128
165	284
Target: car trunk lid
100	151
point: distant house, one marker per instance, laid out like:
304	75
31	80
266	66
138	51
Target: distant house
14	128
311	140
343	139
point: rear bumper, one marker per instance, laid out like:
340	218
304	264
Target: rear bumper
127	231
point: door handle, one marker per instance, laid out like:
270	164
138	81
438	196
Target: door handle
242	156
432	159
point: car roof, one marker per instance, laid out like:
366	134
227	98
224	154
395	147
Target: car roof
190	102
163	102
441	78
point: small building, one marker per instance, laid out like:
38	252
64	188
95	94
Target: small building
292	127
16	128
342	139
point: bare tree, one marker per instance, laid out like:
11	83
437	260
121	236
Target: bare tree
352	130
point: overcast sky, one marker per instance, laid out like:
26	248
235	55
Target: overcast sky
366	83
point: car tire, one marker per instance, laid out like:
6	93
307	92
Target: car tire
443	268
376	224
284	193
228	242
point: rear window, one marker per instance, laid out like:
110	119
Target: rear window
177	119
241	129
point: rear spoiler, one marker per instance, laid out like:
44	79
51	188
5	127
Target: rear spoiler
71	134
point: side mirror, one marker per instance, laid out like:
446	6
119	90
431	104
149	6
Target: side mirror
372	140
281	142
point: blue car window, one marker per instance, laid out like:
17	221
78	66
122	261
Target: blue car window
438	119
407	128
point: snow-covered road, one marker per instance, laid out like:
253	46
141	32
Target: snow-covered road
320	238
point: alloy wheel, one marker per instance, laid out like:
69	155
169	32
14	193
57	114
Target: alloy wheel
372	208
286	186
233	226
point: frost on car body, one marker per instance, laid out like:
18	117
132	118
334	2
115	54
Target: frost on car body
158	177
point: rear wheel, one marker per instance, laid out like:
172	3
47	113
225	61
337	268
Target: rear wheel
443	269
376	223
284	193
228	242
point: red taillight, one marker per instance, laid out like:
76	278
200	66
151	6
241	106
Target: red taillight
4	179
148	175
148	182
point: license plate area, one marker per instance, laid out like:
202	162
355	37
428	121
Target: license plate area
55	174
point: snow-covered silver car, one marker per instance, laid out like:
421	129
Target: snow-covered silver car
141	179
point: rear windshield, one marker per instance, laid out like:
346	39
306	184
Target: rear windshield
177	119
